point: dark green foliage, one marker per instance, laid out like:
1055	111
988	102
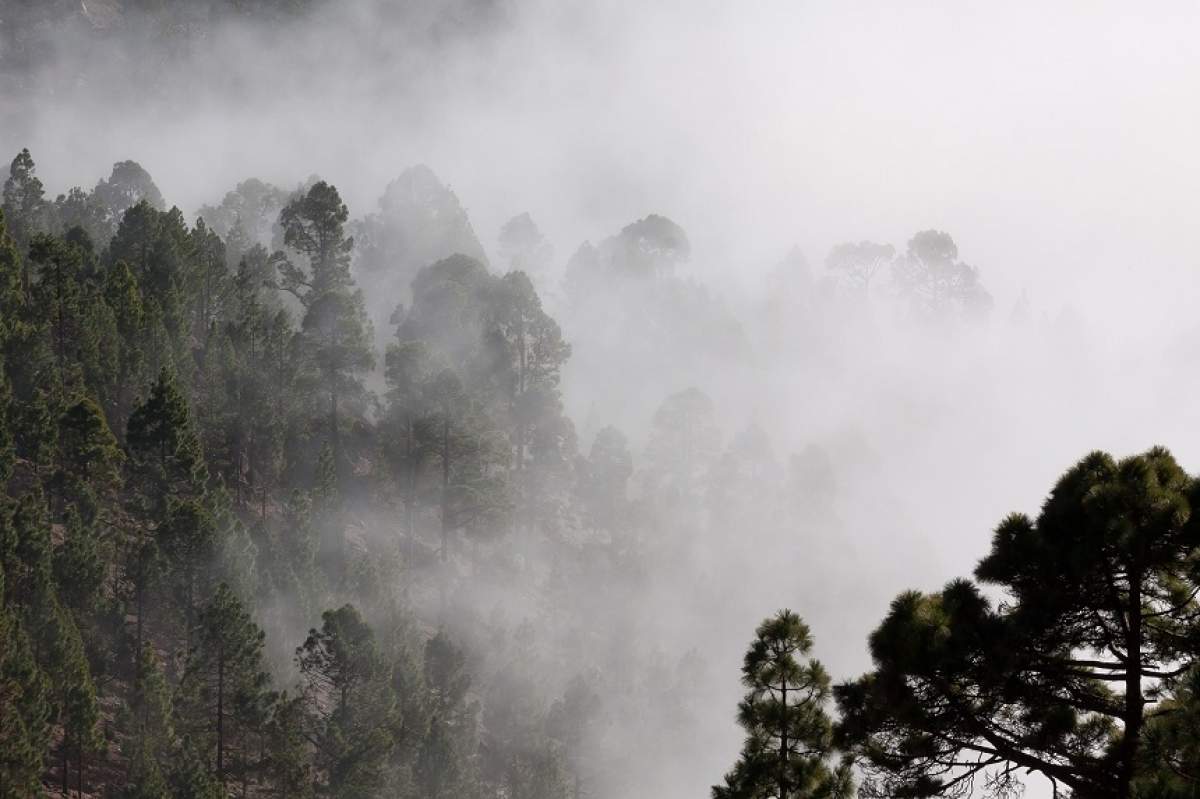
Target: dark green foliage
190	777
350	707
24	706
73	691
78	209
287	767
58	267
225	686
187	540
24	204
166	450
151	734
145	779
1098	618
8	454
335	334
80	564
788	733
124	299
89	460
1171	761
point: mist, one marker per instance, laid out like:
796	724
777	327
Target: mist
1055	144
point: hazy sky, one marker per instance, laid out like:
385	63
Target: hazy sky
1056	142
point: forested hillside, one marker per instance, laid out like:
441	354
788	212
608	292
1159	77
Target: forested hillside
229	565
254	542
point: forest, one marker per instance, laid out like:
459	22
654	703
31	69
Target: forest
204	455
763	401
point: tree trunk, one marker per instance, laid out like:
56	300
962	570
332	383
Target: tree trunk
445	488
443	588
411	458
140	602
66	759
783	743
221	718
335	437
1134	702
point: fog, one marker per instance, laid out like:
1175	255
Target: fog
1056	144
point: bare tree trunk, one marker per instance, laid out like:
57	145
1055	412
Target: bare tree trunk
783	746
221	718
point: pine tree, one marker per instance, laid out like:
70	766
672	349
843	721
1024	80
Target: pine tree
443	766
124	299
34	432
89	459
935	282
335	334
788	733
159	249
528	356
127	186
537	774
24	201
81	209
288	762
224	682
79	565
209	283
407	373
147	720
189	776
166	450
24	707
1096	624
59	293
604	481
188	542
145	780
27	556
75	699
351	707
22	326
8	453
570	722
437	772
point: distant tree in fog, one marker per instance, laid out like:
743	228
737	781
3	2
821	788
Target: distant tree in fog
859	263
524	248
128	185
788	733
25	207
812	483
604	480
335	335
744	483
419	222
935	282
650	247
247	216
684	441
